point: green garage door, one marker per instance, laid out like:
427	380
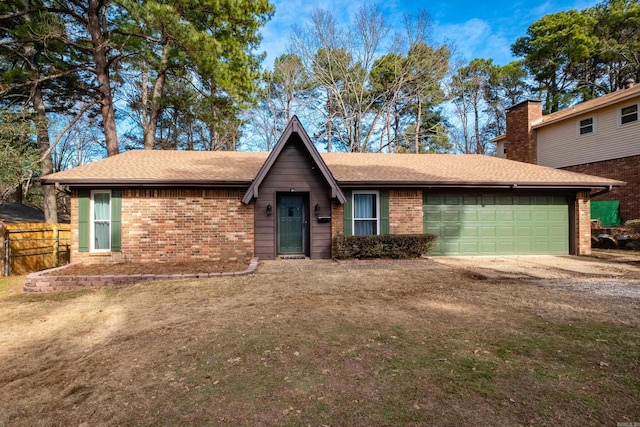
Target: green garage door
500	225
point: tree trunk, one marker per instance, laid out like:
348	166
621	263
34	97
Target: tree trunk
49	191
99	43
479	149
418	120
152	124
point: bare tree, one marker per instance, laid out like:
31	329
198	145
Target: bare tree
339	62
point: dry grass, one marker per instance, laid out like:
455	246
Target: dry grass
428	345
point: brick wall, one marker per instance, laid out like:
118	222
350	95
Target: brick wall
337	223
583	224
177	225
625	169
521	139
405	212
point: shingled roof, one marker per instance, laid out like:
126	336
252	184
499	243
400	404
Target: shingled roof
153	168
451	170
165	167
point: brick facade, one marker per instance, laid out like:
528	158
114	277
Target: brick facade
582	222
337	219
177	225
405	212
521	138
625	169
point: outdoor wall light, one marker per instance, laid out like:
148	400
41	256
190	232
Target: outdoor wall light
269	210
316	209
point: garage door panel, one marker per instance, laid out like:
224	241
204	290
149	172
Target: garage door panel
505	247
540	215
452	200
487	247
502	231
557	216
487	215
485	231
540	232
470	200
497	224
523	215
558	247
452	216
523	231
487	200
504	200
468	247
468	215
449	231
503	215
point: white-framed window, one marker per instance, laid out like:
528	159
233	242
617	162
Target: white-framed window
100	220
366	212
629	114
586	126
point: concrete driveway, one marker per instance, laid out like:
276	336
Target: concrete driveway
548	266
604	273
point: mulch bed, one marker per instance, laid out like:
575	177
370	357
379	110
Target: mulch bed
220	266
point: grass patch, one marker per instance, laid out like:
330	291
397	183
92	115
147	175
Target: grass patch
11	285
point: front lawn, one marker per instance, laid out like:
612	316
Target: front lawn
339	347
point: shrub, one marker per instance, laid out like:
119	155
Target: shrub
633	224
396	246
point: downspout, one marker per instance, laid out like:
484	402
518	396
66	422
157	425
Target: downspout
606	190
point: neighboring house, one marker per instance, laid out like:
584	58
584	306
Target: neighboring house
598	137
185	205
17	212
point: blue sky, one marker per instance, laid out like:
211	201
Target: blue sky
478	29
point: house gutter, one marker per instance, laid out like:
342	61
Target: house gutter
598	193
146	183
482	185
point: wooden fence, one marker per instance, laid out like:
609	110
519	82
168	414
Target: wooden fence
29	247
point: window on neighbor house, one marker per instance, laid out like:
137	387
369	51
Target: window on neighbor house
629	114
586	126
366	213
100	220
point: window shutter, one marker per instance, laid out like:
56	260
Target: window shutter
83	220
116	220
348	223
384	212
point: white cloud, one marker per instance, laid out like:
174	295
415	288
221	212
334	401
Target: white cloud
290	13
475	38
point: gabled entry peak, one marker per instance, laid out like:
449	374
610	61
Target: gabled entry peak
294	127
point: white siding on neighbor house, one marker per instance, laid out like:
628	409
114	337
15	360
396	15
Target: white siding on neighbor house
500	150
560	144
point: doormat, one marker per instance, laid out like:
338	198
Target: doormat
293	257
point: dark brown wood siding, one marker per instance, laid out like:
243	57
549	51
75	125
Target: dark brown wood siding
295	169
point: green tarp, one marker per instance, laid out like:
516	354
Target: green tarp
606	211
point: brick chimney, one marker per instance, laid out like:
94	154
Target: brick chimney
522	143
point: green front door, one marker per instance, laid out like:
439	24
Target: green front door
291	224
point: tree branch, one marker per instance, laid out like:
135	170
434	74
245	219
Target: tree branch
65	130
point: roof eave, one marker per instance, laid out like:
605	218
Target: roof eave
544	122
481	185
157	183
